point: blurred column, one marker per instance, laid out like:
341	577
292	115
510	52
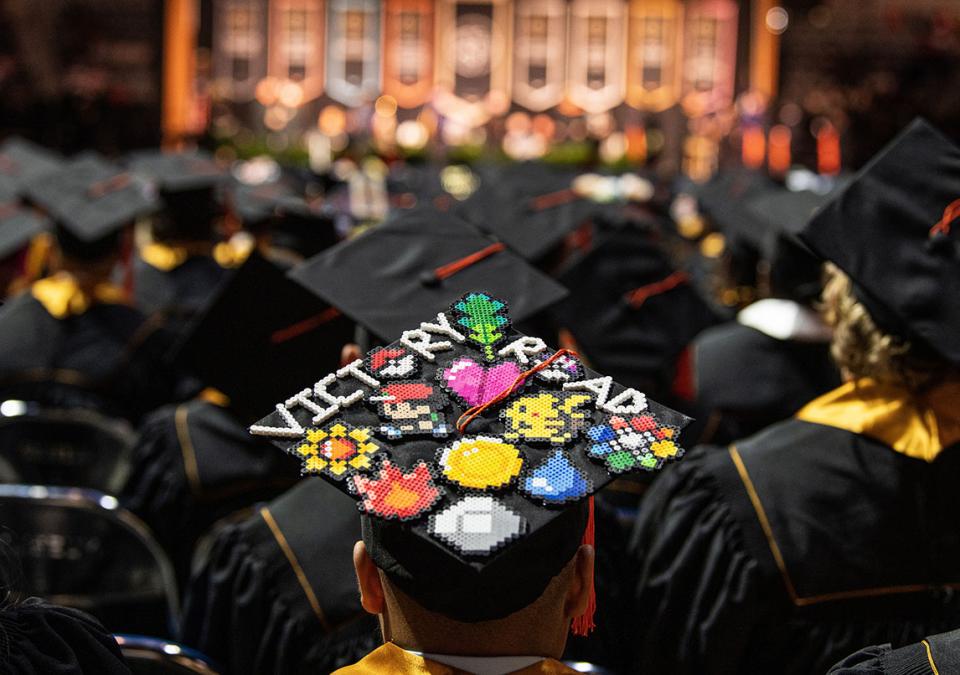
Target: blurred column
179	51
768	21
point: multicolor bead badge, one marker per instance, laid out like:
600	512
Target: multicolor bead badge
392	363
486	320
546	417
631	443
337	450
477	525
480	463
566	368
410	409
475	383
556	481
394	494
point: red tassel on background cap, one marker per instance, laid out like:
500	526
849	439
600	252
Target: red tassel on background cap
584	624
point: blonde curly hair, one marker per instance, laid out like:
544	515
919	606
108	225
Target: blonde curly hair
861	349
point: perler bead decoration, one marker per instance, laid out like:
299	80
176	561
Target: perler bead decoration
545	417
411	409
477	525
566	368
485	319
629	443
556	481
474	383
392	363
337	450
480	463
393	494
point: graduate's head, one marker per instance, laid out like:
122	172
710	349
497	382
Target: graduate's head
476	514
894	248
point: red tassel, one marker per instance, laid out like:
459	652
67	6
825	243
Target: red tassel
584	624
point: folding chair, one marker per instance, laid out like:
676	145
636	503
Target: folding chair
74	448
79	549
153	656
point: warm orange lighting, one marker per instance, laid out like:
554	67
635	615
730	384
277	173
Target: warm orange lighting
179	49
753	147
290	94
828	150
332	120
543	125
780	155
386	106
517	123
636	144
765	45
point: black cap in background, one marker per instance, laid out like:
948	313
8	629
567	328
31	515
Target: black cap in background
18	226
22	161
893	230
415	265
262	336
90	200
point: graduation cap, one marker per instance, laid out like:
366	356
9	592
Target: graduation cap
529	207
22	161
261	336
421	258
892	230
473	452
189	184
292	222
18	226
90	200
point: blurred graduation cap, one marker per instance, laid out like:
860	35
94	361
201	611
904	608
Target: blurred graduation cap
21	161
421	260
528	206
292	222
189	185
893	231
630	310
18	226
90	200
474	456
262	336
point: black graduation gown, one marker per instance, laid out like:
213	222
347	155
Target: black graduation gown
41	639
937	651
745	380
179	293
278	593
108	358
792	549
195	464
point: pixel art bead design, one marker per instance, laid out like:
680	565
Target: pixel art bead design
556	481
566	368
411	409
396	495
545	417
630	443
480	463
477	525
485	319
337	450
473	383
392	363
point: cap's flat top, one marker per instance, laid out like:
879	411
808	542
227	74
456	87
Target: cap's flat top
377	278
178	171
91	197
18	227
22	161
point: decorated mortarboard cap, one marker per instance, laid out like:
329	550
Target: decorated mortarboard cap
420	260
90	200
472	451
18	226
262	336
893	231
21	161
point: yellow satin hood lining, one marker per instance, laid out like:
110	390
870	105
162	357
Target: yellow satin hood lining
389	658
62	297
917	425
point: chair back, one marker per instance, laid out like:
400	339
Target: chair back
78	548
68	447
154	656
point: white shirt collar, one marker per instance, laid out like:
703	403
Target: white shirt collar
483	665
785	320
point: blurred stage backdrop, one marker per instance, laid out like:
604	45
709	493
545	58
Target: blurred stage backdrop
677	85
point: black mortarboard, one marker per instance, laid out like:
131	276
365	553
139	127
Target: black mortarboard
261	336
472	521
188	184
90	200
21	161
255	205
529	207
630	310
892	230
17	227
419	261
